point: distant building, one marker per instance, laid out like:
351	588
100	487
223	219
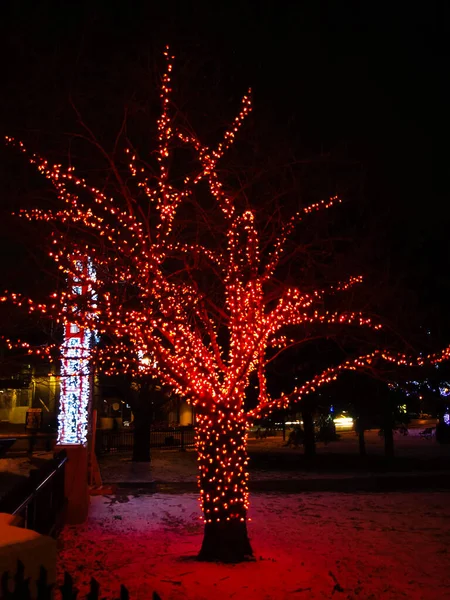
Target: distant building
38	386
181	413
32	387
113	407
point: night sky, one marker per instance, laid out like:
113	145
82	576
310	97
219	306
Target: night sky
358	84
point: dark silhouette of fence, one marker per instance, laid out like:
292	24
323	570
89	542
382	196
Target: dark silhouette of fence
21	588
122	440
39	500
5	445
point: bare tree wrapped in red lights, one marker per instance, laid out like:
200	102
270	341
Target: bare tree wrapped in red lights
157	258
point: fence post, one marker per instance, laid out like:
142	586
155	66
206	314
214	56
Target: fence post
182	441
31	442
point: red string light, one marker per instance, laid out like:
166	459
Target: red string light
171	320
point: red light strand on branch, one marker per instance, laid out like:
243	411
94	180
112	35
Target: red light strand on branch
144	305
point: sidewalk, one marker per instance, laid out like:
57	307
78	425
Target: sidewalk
172	471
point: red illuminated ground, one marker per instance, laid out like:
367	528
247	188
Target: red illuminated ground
371	546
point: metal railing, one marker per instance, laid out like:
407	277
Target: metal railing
29	442
39	501
122	440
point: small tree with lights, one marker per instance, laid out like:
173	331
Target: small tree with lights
196	291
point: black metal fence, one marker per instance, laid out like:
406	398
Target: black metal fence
122	441
44	590
39	500
19	443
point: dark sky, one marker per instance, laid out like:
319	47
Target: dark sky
364	81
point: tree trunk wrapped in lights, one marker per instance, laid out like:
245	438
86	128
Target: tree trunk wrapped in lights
155	270
221	442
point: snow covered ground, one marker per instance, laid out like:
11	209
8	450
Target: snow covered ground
14	470
349	546
267	456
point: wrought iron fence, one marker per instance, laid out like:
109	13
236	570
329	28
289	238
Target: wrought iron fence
122	440
44	590
39	500
27	442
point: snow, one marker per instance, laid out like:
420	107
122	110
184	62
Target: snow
268	455
411	445
14	470
166	466
371	546
24	464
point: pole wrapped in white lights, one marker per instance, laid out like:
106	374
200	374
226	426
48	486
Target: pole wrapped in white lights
76	386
